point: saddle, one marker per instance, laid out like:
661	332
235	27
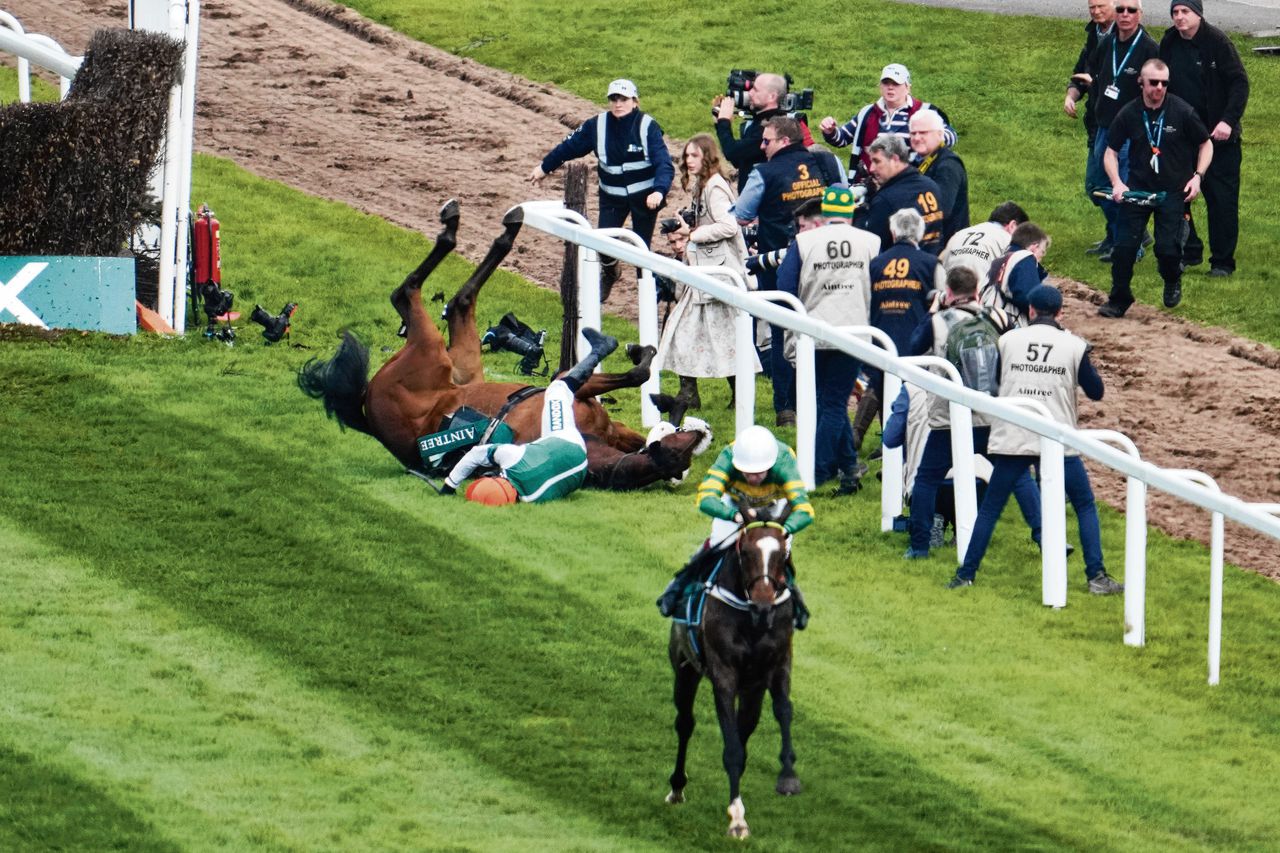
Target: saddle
459	431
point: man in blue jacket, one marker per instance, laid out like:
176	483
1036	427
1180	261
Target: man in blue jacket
632	163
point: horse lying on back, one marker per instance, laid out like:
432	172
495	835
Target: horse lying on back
428	379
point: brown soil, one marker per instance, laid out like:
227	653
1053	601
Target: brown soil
313	95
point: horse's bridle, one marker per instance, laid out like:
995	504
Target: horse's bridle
778	587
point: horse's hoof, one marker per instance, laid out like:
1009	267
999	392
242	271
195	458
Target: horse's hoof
789	786
450	210
515	216
740	831
675	798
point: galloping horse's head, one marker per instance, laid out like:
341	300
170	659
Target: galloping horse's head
762	564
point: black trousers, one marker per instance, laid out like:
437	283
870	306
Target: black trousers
1170	235
1221	190
614	212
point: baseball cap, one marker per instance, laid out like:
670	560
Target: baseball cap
896	72
1045	299
838	201
625	88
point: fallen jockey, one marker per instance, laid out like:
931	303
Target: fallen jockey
554	464
759	472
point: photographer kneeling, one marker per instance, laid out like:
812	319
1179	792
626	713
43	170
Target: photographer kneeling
698	337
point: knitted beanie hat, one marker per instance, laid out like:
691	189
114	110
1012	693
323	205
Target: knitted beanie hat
1194	5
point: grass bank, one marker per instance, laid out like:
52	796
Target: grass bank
227	625
1000	79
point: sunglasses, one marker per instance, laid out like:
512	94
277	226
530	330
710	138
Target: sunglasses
1127	10
1159	84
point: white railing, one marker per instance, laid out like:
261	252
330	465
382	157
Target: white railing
37	48
1191	486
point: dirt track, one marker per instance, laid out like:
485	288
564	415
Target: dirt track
315	96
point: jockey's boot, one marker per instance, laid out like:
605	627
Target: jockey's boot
601	346
865	416
801	611
670	598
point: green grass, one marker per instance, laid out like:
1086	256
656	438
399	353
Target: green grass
228	625
1001	80
40	90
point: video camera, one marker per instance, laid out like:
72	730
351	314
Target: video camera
512	335
671	224
741	82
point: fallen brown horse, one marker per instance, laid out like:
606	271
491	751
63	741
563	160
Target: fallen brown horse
427	380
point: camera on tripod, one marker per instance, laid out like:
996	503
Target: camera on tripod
671	224
742	81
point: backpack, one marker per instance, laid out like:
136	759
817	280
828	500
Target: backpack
972	347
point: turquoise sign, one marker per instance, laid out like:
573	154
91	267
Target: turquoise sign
52	292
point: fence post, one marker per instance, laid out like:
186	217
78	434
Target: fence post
1135	543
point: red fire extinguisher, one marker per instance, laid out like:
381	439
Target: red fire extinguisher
208	254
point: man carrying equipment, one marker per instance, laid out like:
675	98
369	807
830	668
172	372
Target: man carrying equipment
1170	150
757	471
554	464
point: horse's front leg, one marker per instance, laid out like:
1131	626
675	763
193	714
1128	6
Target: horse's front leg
735	752
686	691
464	337
780	691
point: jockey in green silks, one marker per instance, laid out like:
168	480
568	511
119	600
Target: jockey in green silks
757	471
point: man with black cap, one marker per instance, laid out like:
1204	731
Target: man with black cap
1170	150
1205	71
828	268
632	163
890	114
1047	363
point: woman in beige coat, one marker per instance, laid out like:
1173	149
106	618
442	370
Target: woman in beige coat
698	337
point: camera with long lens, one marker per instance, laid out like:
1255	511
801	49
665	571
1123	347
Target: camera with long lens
273	327
672	224
216	303
742	81
511	335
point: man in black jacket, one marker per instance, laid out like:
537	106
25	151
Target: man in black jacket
946	169
1205	71
1170	151
1113	74
1102	18
775	189
901	185
765	95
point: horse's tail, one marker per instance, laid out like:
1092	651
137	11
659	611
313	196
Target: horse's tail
341	383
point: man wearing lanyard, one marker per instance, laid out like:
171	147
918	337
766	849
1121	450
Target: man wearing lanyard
1113	76
1102	18
1170	149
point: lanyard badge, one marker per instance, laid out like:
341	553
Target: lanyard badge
1154	139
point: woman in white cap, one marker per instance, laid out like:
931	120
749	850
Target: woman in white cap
632	163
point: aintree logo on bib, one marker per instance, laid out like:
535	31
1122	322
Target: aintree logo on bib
51	292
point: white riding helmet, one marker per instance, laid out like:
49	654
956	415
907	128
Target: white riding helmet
755	451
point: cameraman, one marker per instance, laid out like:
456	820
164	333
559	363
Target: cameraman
765	97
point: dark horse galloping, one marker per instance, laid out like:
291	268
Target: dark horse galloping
426	380
743	647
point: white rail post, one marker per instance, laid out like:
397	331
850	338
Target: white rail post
1053	512
744	388
891	461
24	64
806	393
1216	536
743	352
1135	543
